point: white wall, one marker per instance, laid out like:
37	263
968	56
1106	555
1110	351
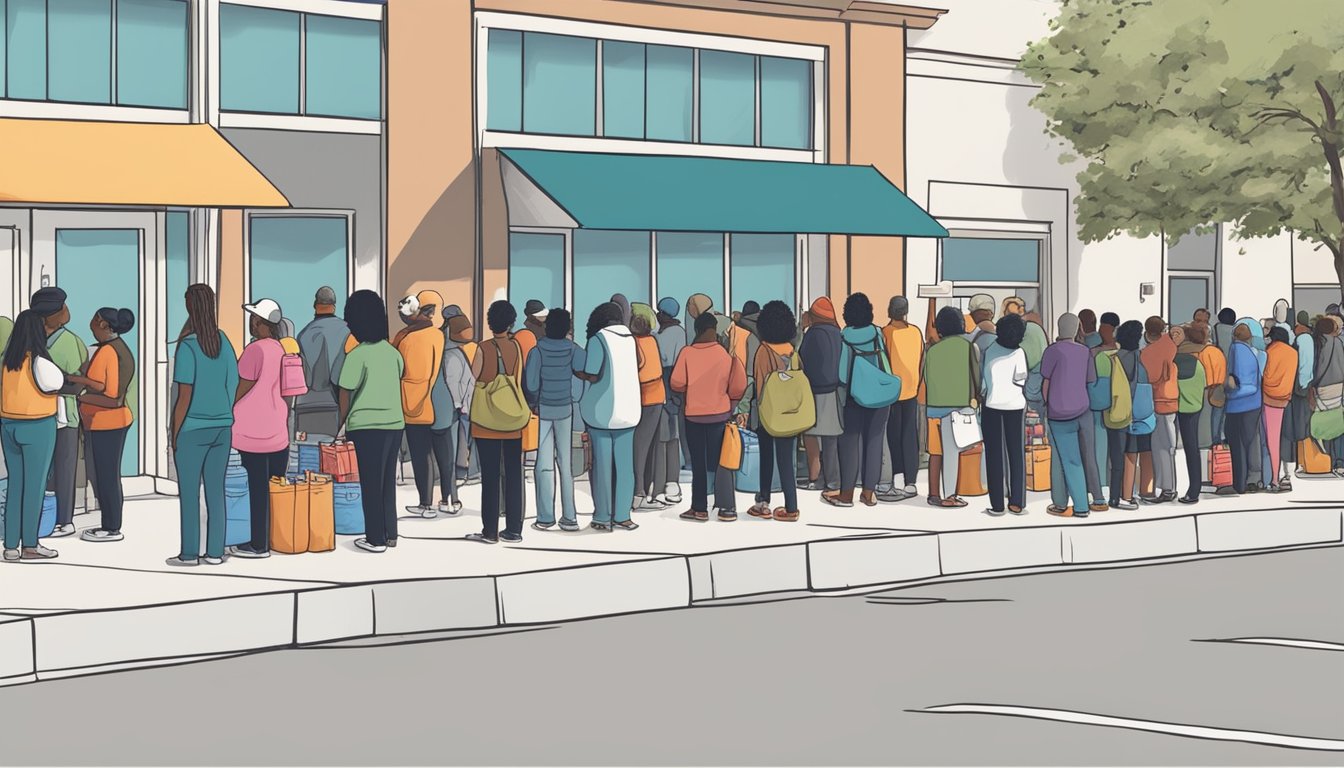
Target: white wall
1255	273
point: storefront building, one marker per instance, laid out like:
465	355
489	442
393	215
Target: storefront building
745	150
149	144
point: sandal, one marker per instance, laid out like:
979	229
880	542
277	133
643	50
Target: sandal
604	527
695	516
785	516
868	499
628	525
951	502
761	509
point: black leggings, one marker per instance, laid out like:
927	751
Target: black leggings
1117	445
376	453
1188	423
105	446
1004	442
704	442
501	459
261	467
422	441
781	452
903	438
1243	438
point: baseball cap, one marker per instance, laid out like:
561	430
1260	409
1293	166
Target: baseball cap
429	299
981	301
669	306
326	296
266	309
534	308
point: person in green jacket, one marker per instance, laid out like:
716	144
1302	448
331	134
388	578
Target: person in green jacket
69	354
1191	383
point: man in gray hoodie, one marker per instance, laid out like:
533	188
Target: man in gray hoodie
322	343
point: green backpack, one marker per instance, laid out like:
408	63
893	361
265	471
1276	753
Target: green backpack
788	407
1121	412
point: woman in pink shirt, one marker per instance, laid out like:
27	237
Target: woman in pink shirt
261	420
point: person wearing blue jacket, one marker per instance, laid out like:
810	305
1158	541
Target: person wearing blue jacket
552	389
1244	402
1260	475
865	429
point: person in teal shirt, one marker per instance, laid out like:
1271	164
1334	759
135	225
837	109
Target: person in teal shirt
371	412
205	370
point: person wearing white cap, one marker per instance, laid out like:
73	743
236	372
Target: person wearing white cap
261	420
981	309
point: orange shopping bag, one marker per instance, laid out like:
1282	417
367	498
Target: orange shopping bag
730	456
321	513
531	434
289	516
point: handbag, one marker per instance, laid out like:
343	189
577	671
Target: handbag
498	404
872	386
965	428
788	407
1327	425
730	455
339	460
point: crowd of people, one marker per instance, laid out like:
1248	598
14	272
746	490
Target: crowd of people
654	391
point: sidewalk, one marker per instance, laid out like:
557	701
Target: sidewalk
102	607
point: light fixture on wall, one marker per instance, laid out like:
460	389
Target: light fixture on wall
1146	289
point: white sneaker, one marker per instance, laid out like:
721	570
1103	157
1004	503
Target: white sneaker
98	535
178	562
61	531
212	560
651	504
12	555
39	553
450	509
367	547
426	512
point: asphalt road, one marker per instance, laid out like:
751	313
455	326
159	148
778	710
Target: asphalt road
1085	668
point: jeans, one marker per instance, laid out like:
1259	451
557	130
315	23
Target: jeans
422	440
27	445
1069	440
261	467
861	446
1188	423
903	439
553	453
64	469
1164	454
376	453
1273	433
1217	422
1117	440
1243	438
613	478
1005	440
646	436
501	460
106	445
1091	467
705	443
778	451
202	455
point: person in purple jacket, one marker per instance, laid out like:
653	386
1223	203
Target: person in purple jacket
1066	370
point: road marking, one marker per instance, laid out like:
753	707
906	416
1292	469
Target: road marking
1315	645
1152	726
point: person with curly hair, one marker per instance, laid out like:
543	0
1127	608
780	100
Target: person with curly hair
711	382
501	453
1004	377
776	327
865	428
611	408
952	378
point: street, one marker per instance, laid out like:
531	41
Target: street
811	681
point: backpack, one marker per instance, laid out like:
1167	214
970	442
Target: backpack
1144	417
788	407
872	386
1120	414
498	404
293	382
1099	391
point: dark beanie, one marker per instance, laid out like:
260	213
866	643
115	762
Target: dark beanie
48	301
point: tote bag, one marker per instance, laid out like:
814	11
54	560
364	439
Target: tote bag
730	456
498	404
872	386
788	407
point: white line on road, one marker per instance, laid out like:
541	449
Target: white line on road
1315	645
1152	726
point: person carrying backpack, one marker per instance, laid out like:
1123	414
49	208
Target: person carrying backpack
1191	383
1133	441
782	415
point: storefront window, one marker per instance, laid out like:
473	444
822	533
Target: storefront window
623	90
536	269
259	59
992	260
763	268
786	103
26	36
504	80
79	55
671	86
344	69
608	262
152	53
559	84
690	263
727	98
290	257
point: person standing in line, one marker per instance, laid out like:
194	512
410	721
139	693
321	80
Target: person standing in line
905	353
1067	368
1136	450
1328	383
261	421
69	354
548	379
421	349
459	352
29	403
1091	336
667	456
777	329
205	370
711	383
1303	327
534	327
865	428
1201	315
820	353
501	452
1222	331
1297	422
1014	305
372	416
1110	321
1277	394
1244	403
610	406
452	413
1159	360
1004	378
106	419
1192	382
742	340
952	379
653	396
1259	472
981	307
1215	371
698	304
1033	346
322	346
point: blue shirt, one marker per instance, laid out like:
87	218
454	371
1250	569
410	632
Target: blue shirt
213	382
1244	367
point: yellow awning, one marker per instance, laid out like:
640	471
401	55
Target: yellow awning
95	163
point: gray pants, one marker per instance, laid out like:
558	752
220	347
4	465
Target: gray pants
1164	454
646	436
830	463
62	478
326	423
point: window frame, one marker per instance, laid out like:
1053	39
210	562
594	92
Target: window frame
1028	231
250	215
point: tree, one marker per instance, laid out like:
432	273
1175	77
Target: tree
1198	112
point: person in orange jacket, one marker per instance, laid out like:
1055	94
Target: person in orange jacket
1277	386
1159	360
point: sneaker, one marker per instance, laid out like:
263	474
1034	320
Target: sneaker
727	515
542	526
1126	504
246	551
480	538
450	509
1153	499
95	534
651	504
897	495
181	562
12	555
995	512
570	526
1226	490
512	538
208	560
61	531
1169	497
39	553
1189	499
694	516
425	512
365	545
810	485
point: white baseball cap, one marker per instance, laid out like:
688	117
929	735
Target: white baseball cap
266	309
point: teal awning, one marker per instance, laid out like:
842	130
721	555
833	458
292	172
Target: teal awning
705	194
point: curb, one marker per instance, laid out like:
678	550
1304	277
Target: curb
58	645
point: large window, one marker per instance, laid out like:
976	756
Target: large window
999	267
607	263
536	269
763	269
284	62
690	263
62	50
548	84
290	257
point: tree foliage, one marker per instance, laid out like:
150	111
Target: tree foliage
1195	112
